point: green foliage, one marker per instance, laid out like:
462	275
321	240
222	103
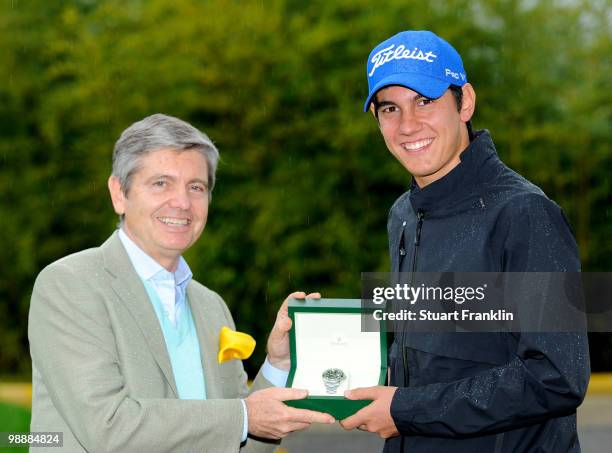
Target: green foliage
306	181
14	419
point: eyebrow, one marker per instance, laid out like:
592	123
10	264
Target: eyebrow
173	178
201	181
384	103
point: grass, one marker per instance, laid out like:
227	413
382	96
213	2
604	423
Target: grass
13	419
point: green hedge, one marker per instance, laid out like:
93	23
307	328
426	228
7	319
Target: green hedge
14	419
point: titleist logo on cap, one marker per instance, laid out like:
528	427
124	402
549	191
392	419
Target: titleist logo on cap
400	53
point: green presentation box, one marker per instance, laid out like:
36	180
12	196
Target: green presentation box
327	333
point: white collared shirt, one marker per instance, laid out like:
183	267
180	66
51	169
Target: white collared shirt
170	287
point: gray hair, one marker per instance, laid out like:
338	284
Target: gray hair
158	132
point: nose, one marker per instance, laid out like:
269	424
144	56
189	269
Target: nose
180	199
410	122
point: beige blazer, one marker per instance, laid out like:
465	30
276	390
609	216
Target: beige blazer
100	369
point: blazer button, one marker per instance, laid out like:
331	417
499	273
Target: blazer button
402	252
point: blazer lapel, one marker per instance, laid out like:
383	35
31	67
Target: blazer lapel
209	343
127	285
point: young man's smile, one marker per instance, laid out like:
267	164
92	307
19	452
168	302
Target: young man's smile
425	135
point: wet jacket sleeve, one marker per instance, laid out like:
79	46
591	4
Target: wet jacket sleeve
547	376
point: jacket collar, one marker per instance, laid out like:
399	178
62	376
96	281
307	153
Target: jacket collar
459	189
129	288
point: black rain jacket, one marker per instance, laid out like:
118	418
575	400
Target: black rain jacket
484	392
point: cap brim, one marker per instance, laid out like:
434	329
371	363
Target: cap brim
424	85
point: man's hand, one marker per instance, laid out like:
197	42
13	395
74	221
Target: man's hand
278	341
375	417
271	419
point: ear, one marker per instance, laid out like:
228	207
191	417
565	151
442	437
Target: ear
468	102
372	111
117	195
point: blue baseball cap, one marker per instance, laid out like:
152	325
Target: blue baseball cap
419	60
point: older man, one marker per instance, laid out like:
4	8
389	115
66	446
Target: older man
124	343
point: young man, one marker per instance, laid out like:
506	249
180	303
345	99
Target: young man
466	212
124	342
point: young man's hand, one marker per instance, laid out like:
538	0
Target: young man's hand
376	416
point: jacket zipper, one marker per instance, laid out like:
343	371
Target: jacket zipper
417	242
417	239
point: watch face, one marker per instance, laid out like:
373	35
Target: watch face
333	375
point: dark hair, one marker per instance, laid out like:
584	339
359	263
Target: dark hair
457	94
455	90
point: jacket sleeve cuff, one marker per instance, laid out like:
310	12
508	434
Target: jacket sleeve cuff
402	409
